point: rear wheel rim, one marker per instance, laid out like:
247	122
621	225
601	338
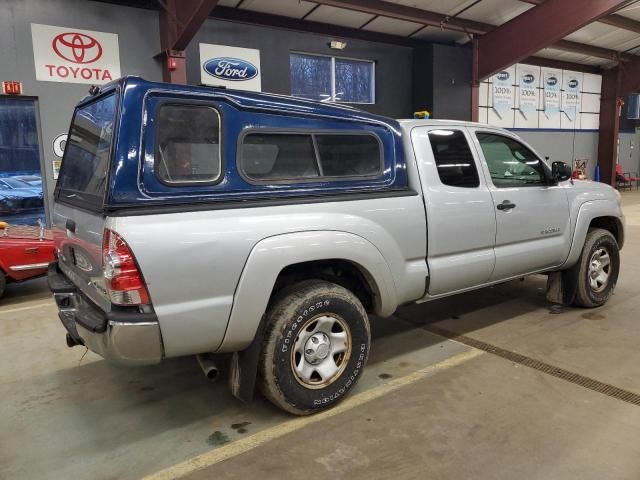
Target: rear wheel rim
321	351
600	270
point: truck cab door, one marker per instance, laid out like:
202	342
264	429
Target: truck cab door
461	222
532	212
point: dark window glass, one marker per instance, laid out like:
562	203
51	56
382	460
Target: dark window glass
348	155
454	160
188	144
310	76
83	175
274	156
510	163
354	81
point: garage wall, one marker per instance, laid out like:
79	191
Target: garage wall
393	63
138	38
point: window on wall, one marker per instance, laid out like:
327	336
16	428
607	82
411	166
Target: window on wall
332	79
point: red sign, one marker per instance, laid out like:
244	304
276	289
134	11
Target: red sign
12	88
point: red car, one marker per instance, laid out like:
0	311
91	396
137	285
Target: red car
25	252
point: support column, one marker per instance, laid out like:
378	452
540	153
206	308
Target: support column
609	125
475	83
174	67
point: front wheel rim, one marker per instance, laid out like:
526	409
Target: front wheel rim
321	351
600	270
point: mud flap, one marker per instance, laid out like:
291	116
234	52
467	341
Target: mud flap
562	286
244	367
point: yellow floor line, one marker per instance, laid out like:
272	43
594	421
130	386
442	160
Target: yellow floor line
253	441
29	307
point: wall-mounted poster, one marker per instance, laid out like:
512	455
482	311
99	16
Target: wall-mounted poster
74	56
552	93
528	93
502	93
571	99
231	67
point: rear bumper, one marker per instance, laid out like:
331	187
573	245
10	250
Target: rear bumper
122	337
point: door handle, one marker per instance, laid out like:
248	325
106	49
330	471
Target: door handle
506	205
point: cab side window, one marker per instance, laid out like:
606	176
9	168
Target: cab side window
454	160
510	163
188	144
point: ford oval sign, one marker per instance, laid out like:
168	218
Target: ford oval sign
573	83
528	78
234	69
503	76
551	81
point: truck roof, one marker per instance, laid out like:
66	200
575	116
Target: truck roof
411	122
255	100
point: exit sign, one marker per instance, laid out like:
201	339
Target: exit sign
12	88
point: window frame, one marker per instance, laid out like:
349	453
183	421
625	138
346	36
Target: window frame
545	171
312	133
474	157
333	76
156	157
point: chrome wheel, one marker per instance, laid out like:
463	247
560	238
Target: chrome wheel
599	270
321	351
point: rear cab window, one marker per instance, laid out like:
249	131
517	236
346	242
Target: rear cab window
85	165
454	160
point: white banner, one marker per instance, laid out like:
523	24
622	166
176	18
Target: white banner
502	93
528	93
232	67
571	100
552	93
74	56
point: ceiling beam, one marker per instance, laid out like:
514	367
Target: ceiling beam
409	14
613	19
535	29
305	26
562	65
424	17
180	20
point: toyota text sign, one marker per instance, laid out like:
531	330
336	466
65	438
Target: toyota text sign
74	56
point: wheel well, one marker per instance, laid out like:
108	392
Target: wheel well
611	224
342	272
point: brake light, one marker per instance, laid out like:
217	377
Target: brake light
123	278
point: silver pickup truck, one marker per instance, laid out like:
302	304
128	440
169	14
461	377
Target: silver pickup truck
199	221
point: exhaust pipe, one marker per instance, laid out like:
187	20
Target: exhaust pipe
208	366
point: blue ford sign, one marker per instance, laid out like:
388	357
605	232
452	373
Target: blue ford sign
227	68
503	76
528	78
552	81
573	83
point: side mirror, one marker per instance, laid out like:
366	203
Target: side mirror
560	171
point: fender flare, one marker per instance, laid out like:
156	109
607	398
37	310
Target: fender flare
271	255
587	212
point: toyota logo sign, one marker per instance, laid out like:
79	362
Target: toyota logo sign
77	47
73	55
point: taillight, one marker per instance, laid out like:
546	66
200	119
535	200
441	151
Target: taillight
123	278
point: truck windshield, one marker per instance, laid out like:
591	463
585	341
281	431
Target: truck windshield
84	171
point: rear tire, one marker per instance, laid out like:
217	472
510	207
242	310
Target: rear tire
3	283
599	269
317	342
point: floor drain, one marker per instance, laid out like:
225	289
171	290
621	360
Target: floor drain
576	378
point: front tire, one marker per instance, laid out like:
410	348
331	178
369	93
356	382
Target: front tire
599	269
317	342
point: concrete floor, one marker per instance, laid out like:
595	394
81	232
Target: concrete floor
426	407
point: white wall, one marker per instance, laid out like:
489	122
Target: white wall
586	118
